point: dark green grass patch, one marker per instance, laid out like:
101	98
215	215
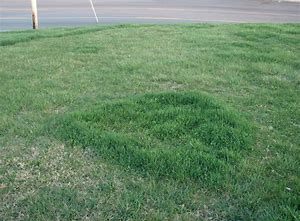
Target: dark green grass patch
176	135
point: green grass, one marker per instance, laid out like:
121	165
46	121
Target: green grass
177	135
150	122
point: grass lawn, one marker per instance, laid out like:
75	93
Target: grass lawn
151	122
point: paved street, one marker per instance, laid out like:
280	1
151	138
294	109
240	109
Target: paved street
16	14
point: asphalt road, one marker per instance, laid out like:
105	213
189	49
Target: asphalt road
16	14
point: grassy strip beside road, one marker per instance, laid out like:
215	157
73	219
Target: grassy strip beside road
181	99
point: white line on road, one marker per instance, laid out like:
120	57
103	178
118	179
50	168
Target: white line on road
94	11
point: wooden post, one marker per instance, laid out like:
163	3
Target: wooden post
35	20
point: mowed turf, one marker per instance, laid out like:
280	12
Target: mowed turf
149	122
185	136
